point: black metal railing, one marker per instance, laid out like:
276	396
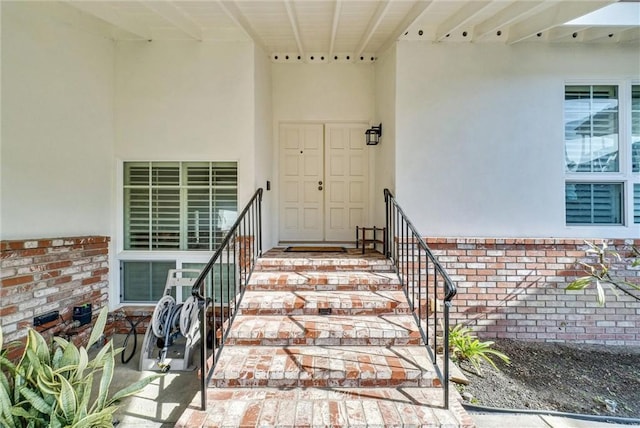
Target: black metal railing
426	284
221	285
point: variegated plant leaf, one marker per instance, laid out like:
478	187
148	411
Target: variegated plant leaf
67	400
36	400
134	388
98	327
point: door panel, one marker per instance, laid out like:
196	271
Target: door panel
346	174
301	168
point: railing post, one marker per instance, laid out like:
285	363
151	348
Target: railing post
242	237
403	254
203	350
386	224
260	224
446	354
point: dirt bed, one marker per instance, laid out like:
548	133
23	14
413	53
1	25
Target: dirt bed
587	379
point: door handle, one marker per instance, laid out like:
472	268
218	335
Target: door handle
319	187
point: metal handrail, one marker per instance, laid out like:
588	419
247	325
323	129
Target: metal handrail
241	247
417	266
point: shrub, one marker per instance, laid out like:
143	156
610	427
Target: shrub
465	346
599	272
53	386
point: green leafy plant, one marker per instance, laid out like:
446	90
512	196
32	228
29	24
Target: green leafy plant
600	272
465	346
53	386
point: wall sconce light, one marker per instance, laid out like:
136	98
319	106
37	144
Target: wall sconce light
373	134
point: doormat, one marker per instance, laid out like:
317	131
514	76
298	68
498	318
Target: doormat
303	249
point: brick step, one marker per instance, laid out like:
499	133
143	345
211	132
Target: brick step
314	407
324	265
309	330
324	367
324	281
323	303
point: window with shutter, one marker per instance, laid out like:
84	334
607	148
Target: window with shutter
144	281
171	211
178	205
600	158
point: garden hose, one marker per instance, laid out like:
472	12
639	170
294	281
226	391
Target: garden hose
161	312
188	315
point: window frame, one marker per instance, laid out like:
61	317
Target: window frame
180	257
624	175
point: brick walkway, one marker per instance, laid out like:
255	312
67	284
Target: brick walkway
324	339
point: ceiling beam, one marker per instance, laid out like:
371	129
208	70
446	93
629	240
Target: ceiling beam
594	34
171	13
375	21
566	32
416	11
293	20
459	19
629	35
514	13
107	13
234	13
549	18
334	26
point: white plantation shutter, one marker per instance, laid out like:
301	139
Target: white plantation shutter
594	203
144	281
591	129
591	125
165	219
178	205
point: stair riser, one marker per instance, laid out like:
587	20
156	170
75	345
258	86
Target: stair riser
323	268
315	311
325	342
324	287
333	382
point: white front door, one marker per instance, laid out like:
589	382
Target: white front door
301	175
324	179
347	179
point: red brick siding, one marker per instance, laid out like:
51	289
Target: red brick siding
515	288
41	275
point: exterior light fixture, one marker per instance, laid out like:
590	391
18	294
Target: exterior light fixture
373	134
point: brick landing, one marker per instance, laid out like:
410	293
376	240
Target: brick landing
324	339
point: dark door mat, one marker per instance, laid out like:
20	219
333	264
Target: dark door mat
303	249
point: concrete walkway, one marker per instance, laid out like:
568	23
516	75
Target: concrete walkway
499	420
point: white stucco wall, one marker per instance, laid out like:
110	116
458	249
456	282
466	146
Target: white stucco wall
384	166
264	169
186	100
479	135
323	92
57	123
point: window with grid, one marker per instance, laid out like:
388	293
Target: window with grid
602	161
178	205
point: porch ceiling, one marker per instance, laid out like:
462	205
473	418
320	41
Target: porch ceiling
347	30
